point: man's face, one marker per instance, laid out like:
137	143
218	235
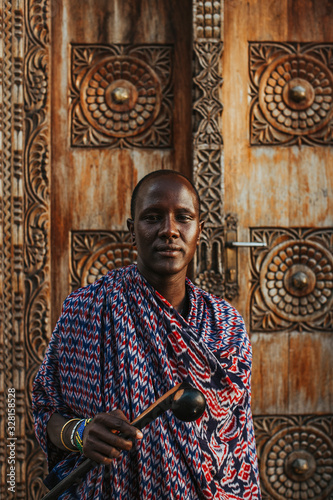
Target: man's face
166	227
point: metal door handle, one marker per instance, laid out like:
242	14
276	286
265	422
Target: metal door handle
231	254
234	244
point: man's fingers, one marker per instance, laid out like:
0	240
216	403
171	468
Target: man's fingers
97	438
100	450
116	422
107	435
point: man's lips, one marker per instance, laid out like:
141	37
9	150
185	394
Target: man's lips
168	250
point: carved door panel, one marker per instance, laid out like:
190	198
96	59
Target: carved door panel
97	93
121	107
278	170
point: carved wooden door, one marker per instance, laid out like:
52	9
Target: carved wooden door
121	107
98	93
277	121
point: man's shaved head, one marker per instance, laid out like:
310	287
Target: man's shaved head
154	175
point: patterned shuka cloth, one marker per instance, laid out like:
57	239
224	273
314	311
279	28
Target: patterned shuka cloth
120	344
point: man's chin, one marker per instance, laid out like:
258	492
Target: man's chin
168	269
163	269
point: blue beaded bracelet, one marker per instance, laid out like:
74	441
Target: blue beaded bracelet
79	433
74	431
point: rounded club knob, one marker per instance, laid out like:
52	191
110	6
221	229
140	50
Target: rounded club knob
188	404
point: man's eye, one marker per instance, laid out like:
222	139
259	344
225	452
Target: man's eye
185	218
152	218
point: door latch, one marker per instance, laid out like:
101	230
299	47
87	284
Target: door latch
231	252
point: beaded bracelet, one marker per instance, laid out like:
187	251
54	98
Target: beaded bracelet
78	438
62	432
73	432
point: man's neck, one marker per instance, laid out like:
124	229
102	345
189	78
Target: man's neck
171	287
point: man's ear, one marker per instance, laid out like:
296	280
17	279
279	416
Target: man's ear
201	226
130	226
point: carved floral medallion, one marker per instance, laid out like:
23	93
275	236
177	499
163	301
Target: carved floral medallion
95	253
292	279
292	93
121	96
296	280
295	457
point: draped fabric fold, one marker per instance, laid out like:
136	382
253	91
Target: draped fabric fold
120	344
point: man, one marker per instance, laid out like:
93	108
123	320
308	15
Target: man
127	339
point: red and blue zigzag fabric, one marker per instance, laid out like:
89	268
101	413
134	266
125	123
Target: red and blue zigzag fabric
120	344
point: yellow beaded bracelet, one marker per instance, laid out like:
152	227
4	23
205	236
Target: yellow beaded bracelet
62	431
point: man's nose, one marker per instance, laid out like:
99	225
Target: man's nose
169	228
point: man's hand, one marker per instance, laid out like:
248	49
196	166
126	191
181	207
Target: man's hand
107	435
103	438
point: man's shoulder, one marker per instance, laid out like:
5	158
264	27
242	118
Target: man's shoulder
100	287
